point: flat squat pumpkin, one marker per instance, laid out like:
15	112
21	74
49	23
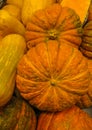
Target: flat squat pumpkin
52	76
54	23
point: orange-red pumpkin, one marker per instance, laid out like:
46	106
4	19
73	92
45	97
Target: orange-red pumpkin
69	119
54	23
86	45
52	76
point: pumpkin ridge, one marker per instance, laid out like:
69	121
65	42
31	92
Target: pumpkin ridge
35	68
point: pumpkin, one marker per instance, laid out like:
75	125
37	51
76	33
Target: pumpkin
12	48
30	6
86	100
13	10
70	119
10	25
17	115
86	45
81	7
52	76
54	23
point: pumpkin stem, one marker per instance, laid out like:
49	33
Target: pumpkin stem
53	34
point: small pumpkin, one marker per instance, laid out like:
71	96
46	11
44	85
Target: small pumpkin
52	76
81	7
70	119
54	23
86	100
12	48
30	6
17	115
86	45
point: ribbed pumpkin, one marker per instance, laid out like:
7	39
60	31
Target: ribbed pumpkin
17	115
52	76
86	45
69	119
86	100
54	23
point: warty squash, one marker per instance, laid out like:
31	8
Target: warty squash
52	76
54	23
17	115
12	48
70	119
30	6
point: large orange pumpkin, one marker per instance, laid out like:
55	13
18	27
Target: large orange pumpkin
52	76
54	23
69	119
86	100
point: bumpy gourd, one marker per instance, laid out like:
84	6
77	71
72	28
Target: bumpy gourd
52	76
12	48
54	23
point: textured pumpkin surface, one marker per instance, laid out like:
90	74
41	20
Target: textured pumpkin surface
18	3
52	76
54	23
80	6
17	115
86	45
86	100
69	119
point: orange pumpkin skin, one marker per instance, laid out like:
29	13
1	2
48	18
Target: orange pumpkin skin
69	119
52	76
17	115
86	100
54	23
86	45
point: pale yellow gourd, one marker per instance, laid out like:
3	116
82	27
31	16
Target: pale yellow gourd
13	10
12	48
10	24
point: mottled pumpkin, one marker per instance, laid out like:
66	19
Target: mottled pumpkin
52	76
69	119
86	100
17	115
86	45
54	23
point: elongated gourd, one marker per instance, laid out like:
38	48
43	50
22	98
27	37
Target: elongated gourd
10	24
12	48
30	6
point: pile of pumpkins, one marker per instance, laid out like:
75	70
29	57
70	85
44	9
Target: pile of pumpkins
45	64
